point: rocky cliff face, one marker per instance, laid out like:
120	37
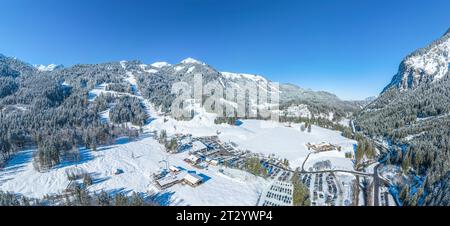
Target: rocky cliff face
425	65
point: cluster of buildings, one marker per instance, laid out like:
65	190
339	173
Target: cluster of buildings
167	178
208	150
202	152
322	147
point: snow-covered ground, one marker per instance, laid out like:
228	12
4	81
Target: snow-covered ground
337	159
344	183
138	159
267	138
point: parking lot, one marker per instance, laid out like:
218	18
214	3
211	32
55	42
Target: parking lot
323	188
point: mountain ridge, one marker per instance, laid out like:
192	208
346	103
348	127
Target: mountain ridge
424	65
412	116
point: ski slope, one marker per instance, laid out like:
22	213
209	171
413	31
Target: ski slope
138	159
141	158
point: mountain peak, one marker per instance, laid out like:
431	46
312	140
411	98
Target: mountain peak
49	67
160	64
424	65
190	60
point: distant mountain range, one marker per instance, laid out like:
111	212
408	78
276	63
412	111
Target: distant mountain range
156	79
412	114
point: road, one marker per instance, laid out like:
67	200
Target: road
377	181
325	171
376	185
304	162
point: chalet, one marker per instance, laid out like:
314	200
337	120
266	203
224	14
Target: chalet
174	169
198	146
214	162
193	159
168	181
192	179
322	147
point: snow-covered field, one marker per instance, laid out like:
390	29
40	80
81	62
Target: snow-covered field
138	159
269	138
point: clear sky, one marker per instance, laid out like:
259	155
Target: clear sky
349	47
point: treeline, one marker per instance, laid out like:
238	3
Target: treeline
8	86
416	123
11	199
301	195
157	89
80	197
254	166
56	114
170	144
122	87
226	120
128	109
365	148
321	122
340	109
56	146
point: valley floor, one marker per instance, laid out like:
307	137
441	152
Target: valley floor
141	158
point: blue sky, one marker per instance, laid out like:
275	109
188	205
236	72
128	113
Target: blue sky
349	47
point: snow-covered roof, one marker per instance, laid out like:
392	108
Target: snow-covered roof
198	146
193	158
170	179
192	178
174	168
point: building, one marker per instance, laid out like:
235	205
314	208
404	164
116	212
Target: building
174	169
193	159
198	146
192	179
322	147
214	162
168	181
184	147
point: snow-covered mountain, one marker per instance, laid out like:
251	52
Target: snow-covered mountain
98	105
155	81
49	67
163	75
424	65
160	64
413	115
